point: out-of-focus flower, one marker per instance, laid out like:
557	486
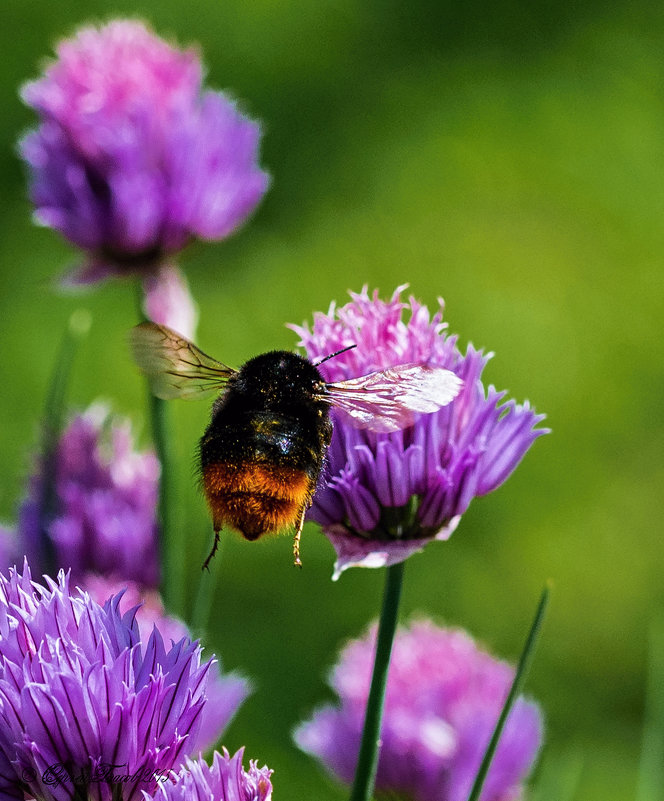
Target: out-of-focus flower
384	496
103	528
225	691
103	516
148	606
225	780
132	158
443	699
85	710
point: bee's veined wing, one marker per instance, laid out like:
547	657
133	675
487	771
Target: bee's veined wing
175	367
389	400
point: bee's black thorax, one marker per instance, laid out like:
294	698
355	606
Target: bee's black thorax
271	412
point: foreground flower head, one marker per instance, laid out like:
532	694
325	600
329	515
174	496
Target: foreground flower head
384	496
85	710
444	696
225	691
103	513
133	158
225	780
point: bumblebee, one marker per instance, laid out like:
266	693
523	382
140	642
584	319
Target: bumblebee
263	451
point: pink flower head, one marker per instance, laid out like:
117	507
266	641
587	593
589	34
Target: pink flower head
132	157
443	699
384	496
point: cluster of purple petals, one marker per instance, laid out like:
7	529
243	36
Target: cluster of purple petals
132	157
224	780
443	699
224	692
79	693
103	518
104	530
383	496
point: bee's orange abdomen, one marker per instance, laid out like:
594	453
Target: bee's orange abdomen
255	498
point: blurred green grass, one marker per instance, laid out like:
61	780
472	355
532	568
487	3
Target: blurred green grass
509	158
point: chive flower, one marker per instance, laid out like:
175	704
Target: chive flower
132	158
224	780
444	695
86	711
383	497
225	692
102	517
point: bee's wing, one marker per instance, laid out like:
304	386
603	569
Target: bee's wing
175	367
389	400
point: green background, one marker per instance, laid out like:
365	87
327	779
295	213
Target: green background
508	156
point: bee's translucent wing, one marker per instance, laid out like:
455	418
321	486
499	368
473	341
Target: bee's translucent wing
175	367
389	400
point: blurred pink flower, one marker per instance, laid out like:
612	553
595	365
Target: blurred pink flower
102	515
444	696
133	158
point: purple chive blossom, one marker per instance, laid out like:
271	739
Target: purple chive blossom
225	780
103	528
133	158
103	518
87	711
225	692
384	496
444	696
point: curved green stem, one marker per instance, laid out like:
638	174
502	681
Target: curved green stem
367	762
517	683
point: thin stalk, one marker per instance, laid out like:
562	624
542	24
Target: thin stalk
651	771
519	678
200	617
367	761
162	445
167	548
54	411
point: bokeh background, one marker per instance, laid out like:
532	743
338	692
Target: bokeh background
508	156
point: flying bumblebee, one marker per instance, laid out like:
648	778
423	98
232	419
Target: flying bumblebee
262	453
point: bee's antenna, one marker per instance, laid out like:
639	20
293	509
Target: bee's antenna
332	355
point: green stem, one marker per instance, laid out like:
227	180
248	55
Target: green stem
519	678
169	585
200	616
54	413
170	560
651	771
367	762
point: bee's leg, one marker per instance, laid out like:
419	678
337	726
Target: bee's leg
212	552
297	562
